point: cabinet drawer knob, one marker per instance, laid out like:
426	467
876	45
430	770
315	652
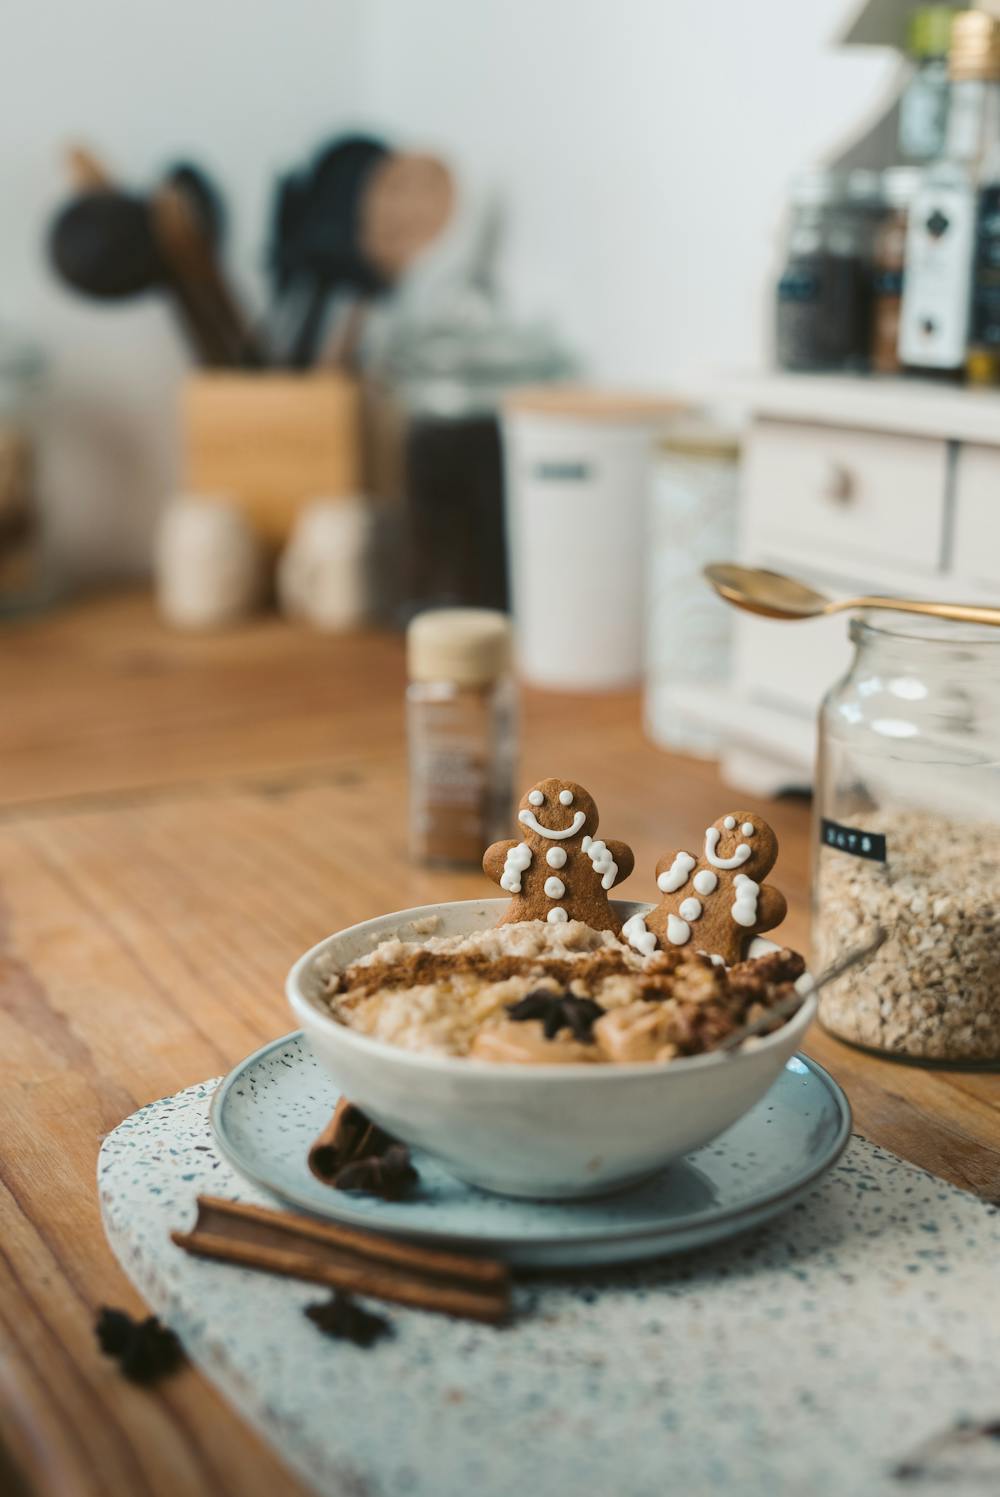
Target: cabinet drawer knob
837	483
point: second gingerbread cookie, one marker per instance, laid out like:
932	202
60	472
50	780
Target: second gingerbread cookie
560	870
717	901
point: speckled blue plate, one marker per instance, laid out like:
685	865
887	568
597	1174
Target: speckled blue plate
270	1108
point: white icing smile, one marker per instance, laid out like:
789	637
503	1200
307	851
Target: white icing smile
712	836
530	819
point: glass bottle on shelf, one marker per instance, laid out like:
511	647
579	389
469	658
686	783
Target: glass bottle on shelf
823	294
937	295
923	108
899	186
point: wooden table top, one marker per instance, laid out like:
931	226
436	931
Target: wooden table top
179	818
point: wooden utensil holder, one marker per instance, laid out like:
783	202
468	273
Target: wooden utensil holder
272	442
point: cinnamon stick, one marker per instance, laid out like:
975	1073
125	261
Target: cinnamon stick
349	1135
360	1262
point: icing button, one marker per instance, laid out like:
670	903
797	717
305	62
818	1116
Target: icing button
554	887
678	931
556	857
557	915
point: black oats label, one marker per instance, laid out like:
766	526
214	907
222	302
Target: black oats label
853	839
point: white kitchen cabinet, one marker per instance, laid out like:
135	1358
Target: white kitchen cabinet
858	486
977	514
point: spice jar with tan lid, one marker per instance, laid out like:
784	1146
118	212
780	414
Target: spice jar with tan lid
462	734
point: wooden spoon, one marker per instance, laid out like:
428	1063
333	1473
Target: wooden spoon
776	596
189	256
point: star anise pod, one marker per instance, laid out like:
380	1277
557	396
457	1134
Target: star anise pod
558	1011
340	1316
145	1350
390	1175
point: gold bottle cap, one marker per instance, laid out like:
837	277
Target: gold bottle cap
975	45
471	646
982	366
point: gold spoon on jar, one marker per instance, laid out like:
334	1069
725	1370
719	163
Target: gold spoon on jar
779	597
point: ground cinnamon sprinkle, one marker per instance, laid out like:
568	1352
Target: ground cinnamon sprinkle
422	966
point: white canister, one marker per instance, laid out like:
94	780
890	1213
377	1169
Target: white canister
207	563
692	521
576	482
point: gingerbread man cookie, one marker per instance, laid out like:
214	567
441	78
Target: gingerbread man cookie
718	901
561	870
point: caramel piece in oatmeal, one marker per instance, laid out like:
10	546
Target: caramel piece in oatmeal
525	1044
639	1031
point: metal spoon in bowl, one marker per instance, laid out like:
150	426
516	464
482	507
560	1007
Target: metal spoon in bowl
791	1005
776	596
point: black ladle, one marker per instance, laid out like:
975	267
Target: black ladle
102	244
112	245
316	249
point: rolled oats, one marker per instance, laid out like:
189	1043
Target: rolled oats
932	991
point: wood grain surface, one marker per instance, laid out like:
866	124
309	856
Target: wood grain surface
179	818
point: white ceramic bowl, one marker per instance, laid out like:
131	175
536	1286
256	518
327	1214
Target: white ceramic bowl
550	1132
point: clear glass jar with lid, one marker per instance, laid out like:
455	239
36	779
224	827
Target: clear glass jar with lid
908	837
824	291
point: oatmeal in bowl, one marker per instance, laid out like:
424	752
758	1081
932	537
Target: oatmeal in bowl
552	994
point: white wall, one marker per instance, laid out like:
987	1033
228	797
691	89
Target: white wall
642	148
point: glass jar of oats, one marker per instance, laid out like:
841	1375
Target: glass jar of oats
908	837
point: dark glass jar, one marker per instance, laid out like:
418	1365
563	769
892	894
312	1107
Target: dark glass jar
824	291
442	377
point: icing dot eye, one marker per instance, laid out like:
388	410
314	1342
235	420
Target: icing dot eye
536	798
747	829
566	797
729	823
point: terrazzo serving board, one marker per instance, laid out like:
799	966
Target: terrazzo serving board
816	1355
